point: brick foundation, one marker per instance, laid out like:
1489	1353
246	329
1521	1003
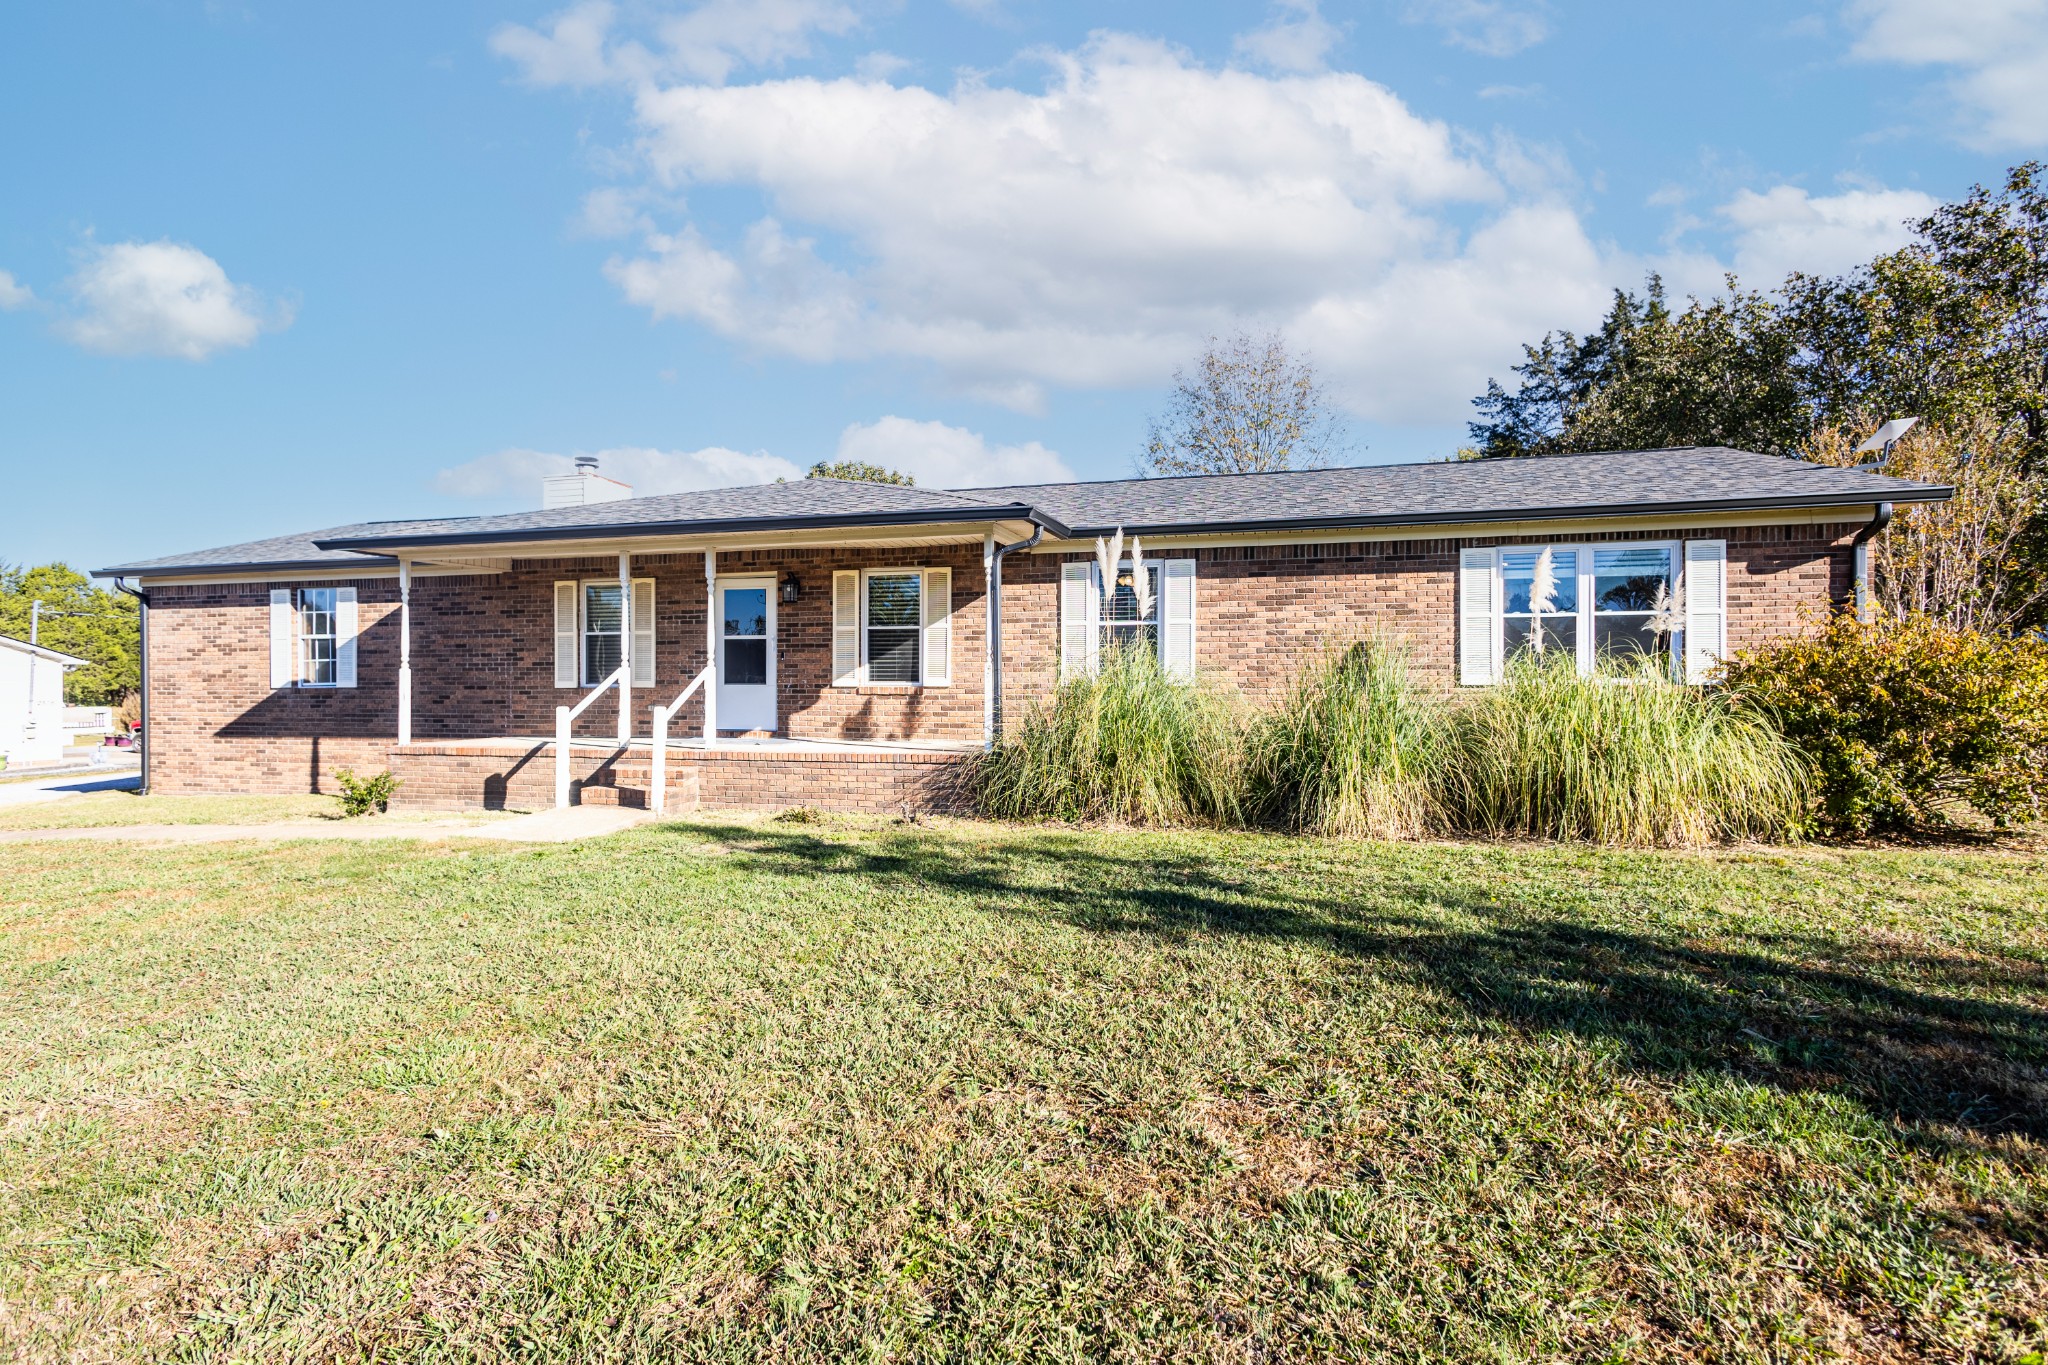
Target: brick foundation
520	776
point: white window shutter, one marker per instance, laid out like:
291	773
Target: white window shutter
1177	617
281	637
345	637
643	632
1080	623
938	627
845	627
1478	618
566	642
1706	608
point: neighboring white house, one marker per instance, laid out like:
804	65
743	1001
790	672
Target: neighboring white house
32	702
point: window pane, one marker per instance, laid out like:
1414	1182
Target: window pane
319	659
1518	571
893	600
601	657
1123	603
1140	636
1560	636
892	654
746	662
1620	635
1627	580
601	607
746	612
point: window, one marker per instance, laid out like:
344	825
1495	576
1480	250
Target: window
1632	602
603	648
895	627
1126	620
745	627
1592	604
1540	602
319	640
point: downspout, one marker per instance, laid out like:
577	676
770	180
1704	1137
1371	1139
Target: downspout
995	628
1862	553
148	730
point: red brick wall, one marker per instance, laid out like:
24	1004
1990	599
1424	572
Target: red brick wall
1261	611
483	645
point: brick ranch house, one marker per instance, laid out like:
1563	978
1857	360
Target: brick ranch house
847	661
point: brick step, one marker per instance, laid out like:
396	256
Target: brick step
632	798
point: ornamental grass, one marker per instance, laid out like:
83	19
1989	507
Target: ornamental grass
1620	757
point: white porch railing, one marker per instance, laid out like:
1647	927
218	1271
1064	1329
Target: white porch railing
658	797
566	714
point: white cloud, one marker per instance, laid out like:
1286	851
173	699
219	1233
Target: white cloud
517	473
14	294
1492	28
1298	38
941	456
1997	50
709	41
163	298
1092	233
1786	229
570	52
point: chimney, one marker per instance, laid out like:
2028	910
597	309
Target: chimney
586	485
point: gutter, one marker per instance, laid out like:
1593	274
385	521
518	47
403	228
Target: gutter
148	729
995	627
1862	552
1633	509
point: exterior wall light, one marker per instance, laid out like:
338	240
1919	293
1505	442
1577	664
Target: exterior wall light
789	589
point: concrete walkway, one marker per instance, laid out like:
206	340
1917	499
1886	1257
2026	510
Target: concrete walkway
542	827
58	786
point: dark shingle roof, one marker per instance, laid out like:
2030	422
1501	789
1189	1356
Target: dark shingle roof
279	552
1604	483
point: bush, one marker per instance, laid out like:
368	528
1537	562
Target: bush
1128	744
1354	750
361	795
1903	720
1618	759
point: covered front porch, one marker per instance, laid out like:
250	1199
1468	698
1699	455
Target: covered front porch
844	671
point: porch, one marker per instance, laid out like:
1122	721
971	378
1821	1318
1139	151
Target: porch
519	772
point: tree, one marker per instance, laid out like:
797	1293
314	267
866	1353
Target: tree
1973	562
1719	373
1250	406
859	471
93	623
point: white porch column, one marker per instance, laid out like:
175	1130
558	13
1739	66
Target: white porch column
405	651
988	639
711	647
625	646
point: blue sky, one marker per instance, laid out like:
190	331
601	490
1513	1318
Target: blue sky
270	267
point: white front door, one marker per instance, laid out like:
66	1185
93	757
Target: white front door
746	654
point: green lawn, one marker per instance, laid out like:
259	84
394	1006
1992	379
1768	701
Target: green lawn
848	1091
99	810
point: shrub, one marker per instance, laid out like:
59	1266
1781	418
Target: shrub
1618	758
1128	744
1354	749
1905	719
361	795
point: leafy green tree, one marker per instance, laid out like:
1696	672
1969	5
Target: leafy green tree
96	624
1249	407
1721	372
860	471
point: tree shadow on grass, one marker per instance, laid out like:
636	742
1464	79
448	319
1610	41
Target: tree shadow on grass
1920	1040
